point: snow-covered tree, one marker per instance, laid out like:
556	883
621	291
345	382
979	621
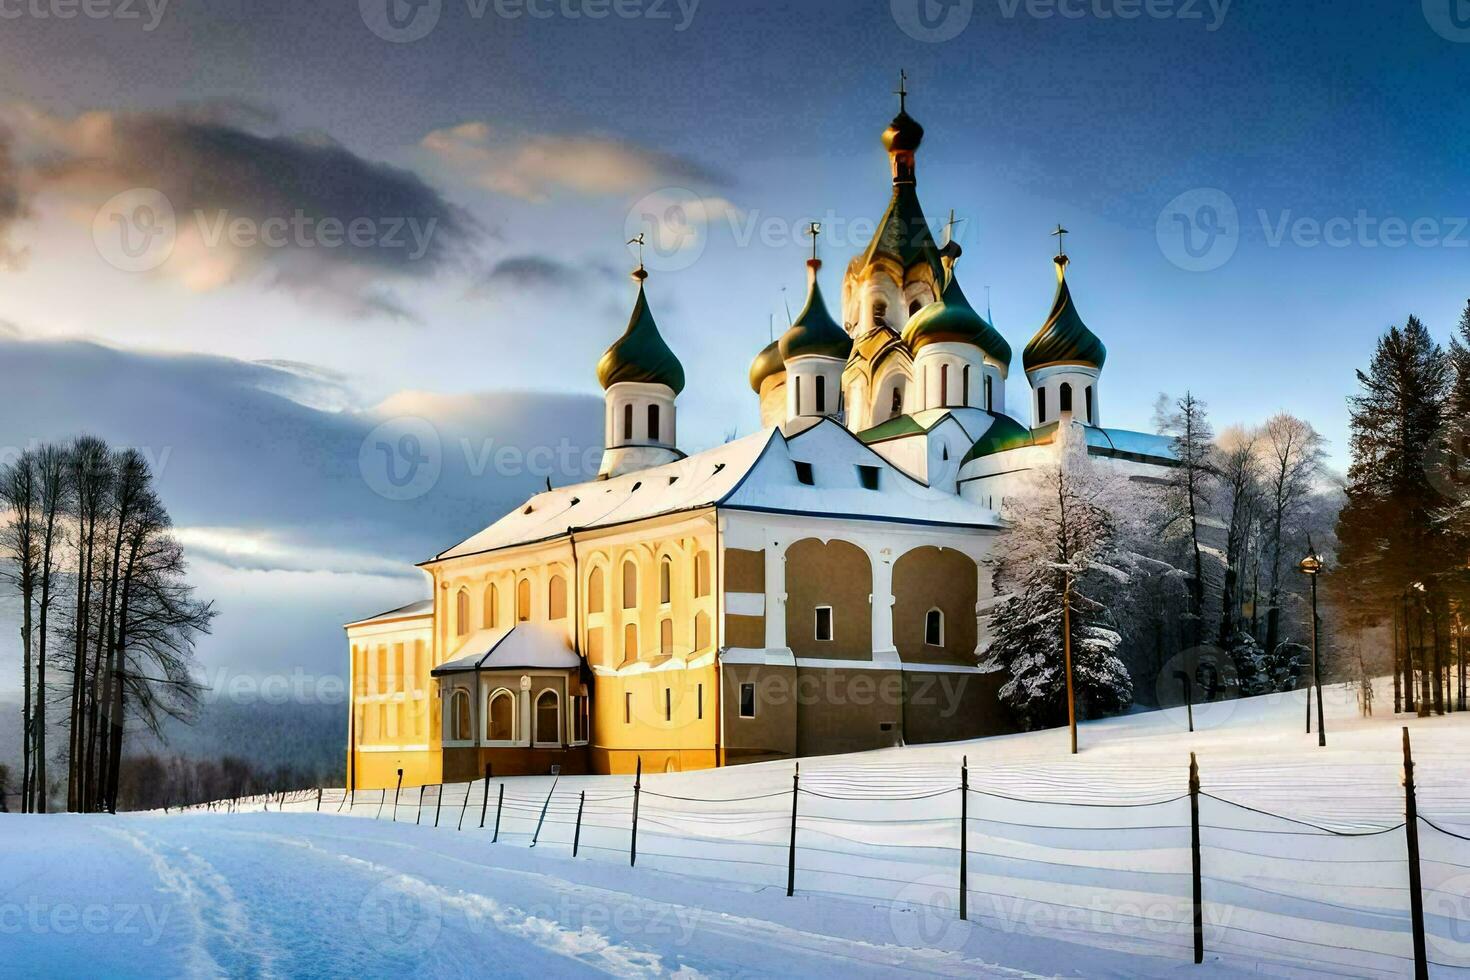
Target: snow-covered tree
1189	488
1063	548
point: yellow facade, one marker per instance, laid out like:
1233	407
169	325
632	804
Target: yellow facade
639	604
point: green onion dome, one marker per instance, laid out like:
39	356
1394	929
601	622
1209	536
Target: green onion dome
767	364
951	319
1064	338
640	354
814	333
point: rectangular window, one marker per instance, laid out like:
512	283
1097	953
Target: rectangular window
1040	405
804	474
699	700
1089	404
868	477
668	704
824	622
653	423
628	707
747	700
798	396
628	422
580	726
821	395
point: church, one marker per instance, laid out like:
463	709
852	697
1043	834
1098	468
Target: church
817	587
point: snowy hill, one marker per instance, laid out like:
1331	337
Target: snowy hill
1077	866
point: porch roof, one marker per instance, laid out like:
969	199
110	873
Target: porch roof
518	647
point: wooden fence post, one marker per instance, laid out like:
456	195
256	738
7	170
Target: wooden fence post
577	834
465	803
964	836
485	799
396	790
318	799
382	799
1199	906
637	791
418	816
791	853
1416	884
499	805
438	802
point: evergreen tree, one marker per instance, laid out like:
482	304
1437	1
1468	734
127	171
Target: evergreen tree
1063	548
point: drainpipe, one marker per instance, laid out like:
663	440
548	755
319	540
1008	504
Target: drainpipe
718	560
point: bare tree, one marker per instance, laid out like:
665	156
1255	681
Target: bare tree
1292	454
53	502
1189	487
20	545
1240	493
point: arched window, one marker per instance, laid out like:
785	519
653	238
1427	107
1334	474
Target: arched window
548	718
628	421
630	643
653	423
502	716
666	637
523	600
665	580
965	386
989	394
556	598
1064	398
821	395
880	313
896	406
701	630
1088	395
462	612
944	384
934	628
596	587
798	395
915	306
701	574
490	615
630	584
459	716
1040	405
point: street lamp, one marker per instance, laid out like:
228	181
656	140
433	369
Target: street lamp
1311	566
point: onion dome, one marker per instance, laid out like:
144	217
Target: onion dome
640	354
1064	338
814	333
767	364
951	319
904	134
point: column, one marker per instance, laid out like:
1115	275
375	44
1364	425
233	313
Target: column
775	552
882	604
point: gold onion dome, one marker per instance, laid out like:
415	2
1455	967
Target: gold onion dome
951	319
767	364
814	333
904	134
640	354
1064	338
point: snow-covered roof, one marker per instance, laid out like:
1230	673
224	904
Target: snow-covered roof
515	647
756	472
423	607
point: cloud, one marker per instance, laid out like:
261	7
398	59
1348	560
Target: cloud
538	274
225	200
536	167
270	489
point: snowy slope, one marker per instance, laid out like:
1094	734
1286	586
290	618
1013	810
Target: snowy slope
1072	884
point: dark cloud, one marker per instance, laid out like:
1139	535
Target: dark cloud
536	273
301	212
281	504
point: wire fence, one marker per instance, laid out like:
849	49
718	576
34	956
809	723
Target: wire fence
1157	872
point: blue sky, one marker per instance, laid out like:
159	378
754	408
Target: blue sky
533	143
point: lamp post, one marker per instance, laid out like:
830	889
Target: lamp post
1311	566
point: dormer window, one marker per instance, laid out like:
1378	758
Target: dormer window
804	474
868	477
